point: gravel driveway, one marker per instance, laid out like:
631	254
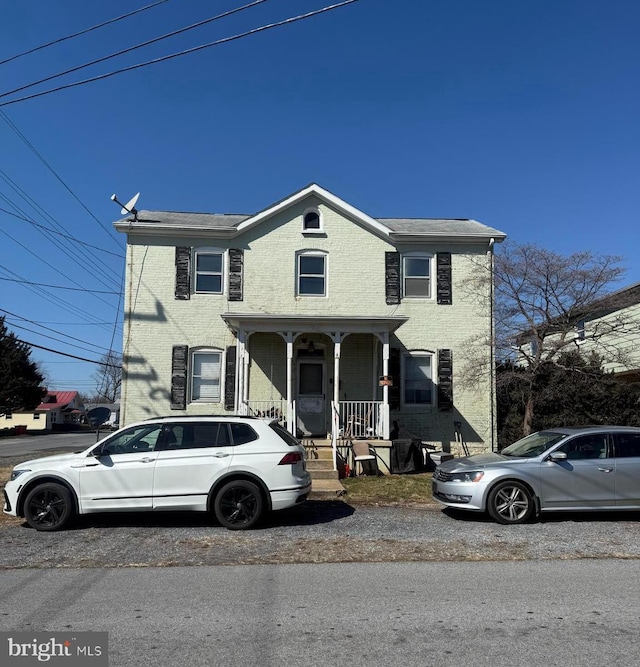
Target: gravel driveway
318	532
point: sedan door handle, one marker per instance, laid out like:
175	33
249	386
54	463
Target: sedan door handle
221	455
605	469
146	459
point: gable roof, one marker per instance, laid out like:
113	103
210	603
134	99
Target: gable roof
230	225
55	400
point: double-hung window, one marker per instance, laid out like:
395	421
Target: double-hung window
417	386
416	276
205	376
209	266
312	274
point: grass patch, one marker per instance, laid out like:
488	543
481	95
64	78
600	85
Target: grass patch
389	489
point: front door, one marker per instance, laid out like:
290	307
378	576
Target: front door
311	404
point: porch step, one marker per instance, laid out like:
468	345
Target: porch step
326	489
321	468
325	482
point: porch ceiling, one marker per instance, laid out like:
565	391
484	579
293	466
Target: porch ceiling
312	323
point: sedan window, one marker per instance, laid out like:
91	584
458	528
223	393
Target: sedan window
627	445
533	445
585	447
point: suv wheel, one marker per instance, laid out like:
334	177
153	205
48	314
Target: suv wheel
510	502
48	506
238	505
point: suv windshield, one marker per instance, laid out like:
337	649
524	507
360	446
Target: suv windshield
533	445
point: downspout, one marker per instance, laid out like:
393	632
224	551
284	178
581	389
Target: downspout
126	337
492	359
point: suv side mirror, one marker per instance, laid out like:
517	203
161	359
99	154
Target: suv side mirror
558	456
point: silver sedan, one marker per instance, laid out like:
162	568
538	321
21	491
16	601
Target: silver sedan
563	469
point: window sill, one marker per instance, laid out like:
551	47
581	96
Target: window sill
314	232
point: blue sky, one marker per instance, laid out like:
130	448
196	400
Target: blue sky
520	114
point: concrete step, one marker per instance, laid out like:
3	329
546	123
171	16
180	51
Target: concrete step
319	452
326	489
321	469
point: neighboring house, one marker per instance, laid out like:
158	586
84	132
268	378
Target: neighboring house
59	409
312	311
611	328
113	420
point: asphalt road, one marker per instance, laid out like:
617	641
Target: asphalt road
39	445
512	613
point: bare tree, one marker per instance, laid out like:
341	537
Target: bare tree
542	300
108	378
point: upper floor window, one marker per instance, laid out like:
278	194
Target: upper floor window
311	221
312	274
417	386
205	375
416	276
209	264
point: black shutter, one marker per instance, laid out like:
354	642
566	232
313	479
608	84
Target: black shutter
183	273
445	380
179	357
230	379
392	277
394	372
443	261
235	274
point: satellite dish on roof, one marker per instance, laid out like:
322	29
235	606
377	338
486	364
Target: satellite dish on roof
129	207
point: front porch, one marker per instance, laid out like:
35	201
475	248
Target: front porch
321	377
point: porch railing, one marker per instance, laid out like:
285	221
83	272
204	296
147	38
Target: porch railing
361	419
274	409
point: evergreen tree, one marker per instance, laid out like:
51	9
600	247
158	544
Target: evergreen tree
20	382
574	391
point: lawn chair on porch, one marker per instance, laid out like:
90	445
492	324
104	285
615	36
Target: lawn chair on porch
358	426
362	455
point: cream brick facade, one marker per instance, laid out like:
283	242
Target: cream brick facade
354	246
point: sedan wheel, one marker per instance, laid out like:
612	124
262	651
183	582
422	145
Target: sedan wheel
238	505
48	507
510	503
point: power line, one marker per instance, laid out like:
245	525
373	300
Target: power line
58	340
73	289
133	48
61	333
51	266
218	42
81	32
65	236
64	354
35	151
85	259
61	303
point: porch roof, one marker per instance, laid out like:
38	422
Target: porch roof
313	323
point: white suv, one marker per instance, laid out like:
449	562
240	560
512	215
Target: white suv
235	467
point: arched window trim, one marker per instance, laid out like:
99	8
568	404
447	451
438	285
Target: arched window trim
312	230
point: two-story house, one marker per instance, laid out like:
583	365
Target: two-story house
312	311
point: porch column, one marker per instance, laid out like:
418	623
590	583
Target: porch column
291	427
240	372
244	387
385	388
336	337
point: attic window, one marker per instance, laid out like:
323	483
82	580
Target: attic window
311	221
